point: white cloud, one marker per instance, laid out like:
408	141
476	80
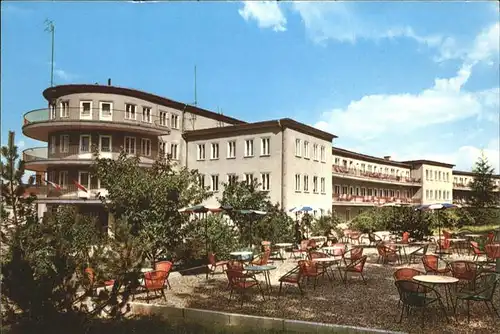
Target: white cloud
339	21
63	75
403	122
20	144
268	14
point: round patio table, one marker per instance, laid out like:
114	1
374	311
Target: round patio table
282	246
438	279
265	269
474	235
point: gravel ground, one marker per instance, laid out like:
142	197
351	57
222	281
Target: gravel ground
372	305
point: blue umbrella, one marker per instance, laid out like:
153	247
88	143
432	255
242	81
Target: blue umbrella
302	208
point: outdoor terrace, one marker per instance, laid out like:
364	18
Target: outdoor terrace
375	177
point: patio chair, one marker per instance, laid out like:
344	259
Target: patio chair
406	274
165	266
387	253
338	250
294	276
414	295
356	266
309	270
240	282
274	252
476	251
464	271
302	250
374	239
213	264
419	252
154	281
352	255
235	265
262	259
431	265
316	255
354	237
490	237
492	251
485	286
91	284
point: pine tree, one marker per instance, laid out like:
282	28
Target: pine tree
483	187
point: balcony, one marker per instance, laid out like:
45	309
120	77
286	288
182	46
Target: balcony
39	123
353	200
38	158
357	174
67	193
461	186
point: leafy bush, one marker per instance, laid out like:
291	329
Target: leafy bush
276	226
407	219
483	216
324	225
376	219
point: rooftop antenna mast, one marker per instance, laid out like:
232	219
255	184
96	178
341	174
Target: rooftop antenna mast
49	27
195	95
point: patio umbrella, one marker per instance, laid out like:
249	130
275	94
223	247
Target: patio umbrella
299	209
438	206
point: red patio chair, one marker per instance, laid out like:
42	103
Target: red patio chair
302	250
309	269
464	270
165	266
213	264
492	251
91	284
352	255
354	237
262	259
154	281
490	237
431	265
241	283
406	274
386	253
354	267
235	265
476	251
406	238
419	252
338	250
294	276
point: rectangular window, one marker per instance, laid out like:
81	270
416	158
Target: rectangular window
104	143
86	108
174	151
323	185
363	191
146	147
337	190
64	144
297	182
345	190
163	118
174	121
162	148
323	154
306	149
130	111
84	179
85	143
315	184
315	152
52	111
63	178
129	145
306	183
297	148
231	150
64	109
264	146
53	144
201	180
214	151
106	108
232	179
215	183
427	194
249	178
146	114
249	148
264	180
201	152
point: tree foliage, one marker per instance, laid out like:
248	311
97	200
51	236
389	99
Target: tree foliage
483	193
148	199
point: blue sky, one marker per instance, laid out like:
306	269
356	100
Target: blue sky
407	79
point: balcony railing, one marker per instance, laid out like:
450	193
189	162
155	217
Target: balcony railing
98	115
461	185
375	200
373	176
67	191
76	152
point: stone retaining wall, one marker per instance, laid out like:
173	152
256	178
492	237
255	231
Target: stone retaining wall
205	317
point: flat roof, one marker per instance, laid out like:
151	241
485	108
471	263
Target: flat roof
242	129
62	90
369	158
464	173
428	162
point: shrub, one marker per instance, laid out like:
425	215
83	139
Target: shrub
324	225
276	226
415	222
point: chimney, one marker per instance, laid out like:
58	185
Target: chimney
109	81
387	157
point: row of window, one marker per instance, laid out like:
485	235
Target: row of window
265	180
104	144
302	184
231	149
362	191
438	176
302	150
438	194
106	112
371	169
61	178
